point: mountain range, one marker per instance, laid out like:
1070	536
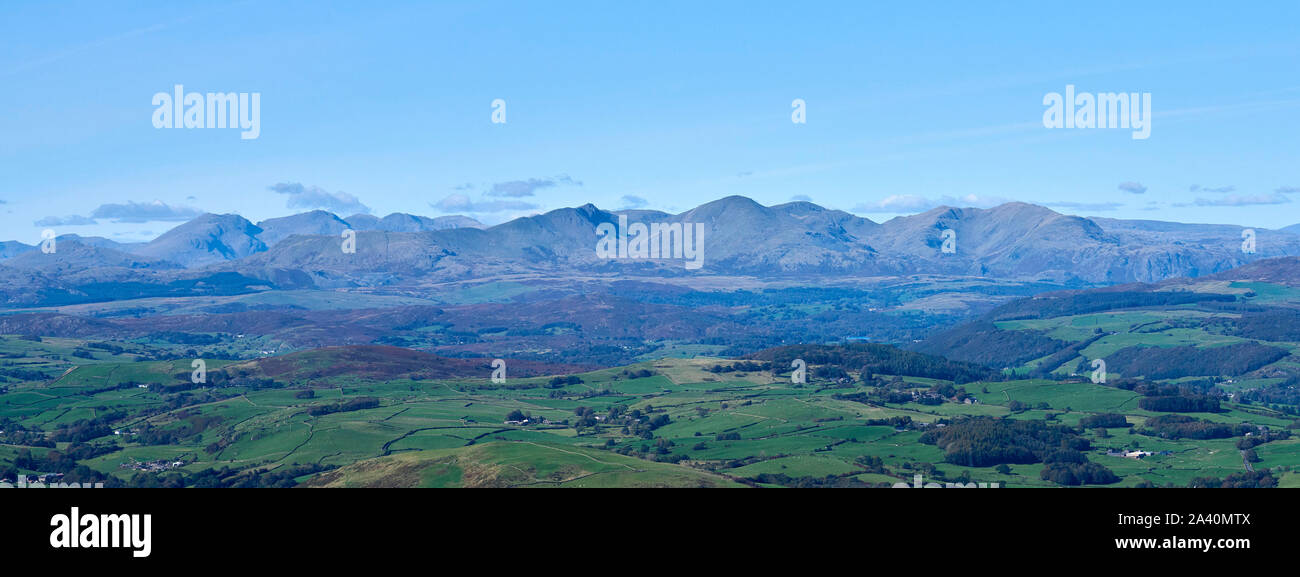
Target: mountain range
742	238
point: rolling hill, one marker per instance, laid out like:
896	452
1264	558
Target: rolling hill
515	464
1234	326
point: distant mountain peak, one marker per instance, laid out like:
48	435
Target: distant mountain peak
209	238
313	222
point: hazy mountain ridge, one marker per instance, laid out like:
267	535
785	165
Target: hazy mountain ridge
741	237
207	239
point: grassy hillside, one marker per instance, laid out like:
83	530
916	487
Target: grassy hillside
514	464
115	411
1226	330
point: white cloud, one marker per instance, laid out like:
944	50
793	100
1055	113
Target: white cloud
460	203
315	197
1132	187
70	220
910	203
144	212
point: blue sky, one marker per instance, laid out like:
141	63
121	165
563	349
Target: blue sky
387	108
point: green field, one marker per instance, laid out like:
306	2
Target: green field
662	422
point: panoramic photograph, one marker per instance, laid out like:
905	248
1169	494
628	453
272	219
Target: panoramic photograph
647	245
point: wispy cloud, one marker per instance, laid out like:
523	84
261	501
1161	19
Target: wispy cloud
633	201
99	44
70	220
144	212
529	187
1217	189
1239	200
1086	206
910	203
460	203
1132	187
313	197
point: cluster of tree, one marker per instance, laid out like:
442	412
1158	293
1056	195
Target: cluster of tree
1086	473
16	433
1259	438
810	482
872	464
64	461
1186	361
110	348
984	343
1045	367
119	386
238	379
1180	404
518	415
579	395
183	338
1079	303
1186	427
830	372
903	422
188	426
1105	421
1262	479
1272	324
1185	387
1283	396
661	451
879	359
83	430
985	441
511	385
354	404
564	380
877	396
742	366
636	422
216	284
22	374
